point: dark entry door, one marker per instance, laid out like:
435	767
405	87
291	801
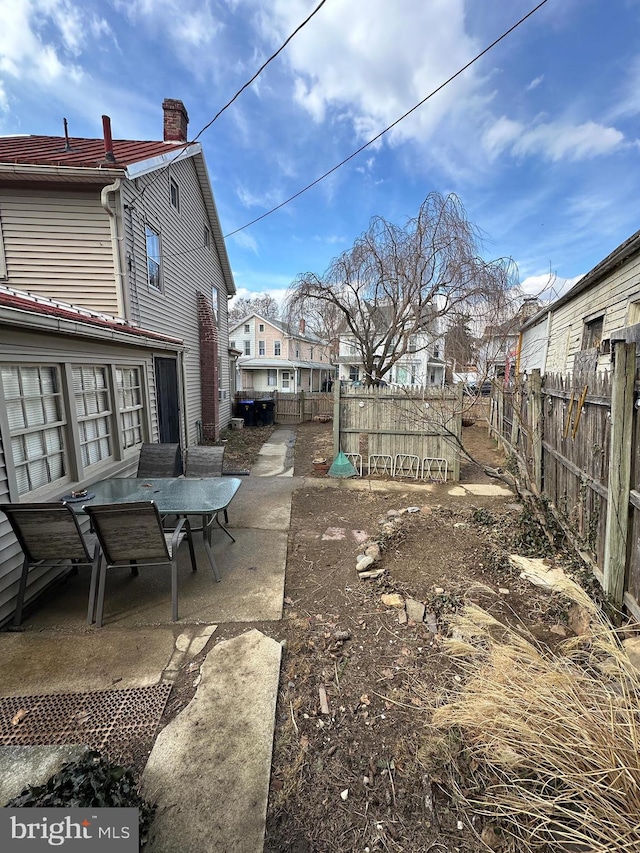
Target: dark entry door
167	397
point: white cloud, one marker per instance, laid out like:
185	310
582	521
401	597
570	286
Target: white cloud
277	293
370	60
547	286
553	141
535	83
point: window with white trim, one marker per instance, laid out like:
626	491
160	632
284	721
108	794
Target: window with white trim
174	194
261	327
262	348
152	238
207	237
93	410
286	380
277	348
35	414
131	406
247	328
247	347
272	377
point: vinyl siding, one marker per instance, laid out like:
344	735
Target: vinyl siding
23	346
610	297
58	244
187	267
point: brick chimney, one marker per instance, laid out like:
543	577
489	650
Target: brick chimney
302	325
176	120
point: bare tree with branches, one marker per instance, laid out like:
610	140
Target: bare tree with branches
396	282
266	306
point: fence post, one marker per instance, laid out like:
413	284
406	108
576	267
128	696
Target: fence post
336	417
301	413
500	433
275	406
535	414
622	402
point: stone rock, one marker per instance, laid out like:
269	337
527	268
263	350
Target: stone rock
393	513
632	648
558	630
579	620
415	609
392	599
372	574
461	524
431	621
373	551
364	564
402	617
438	590
426	510
503	591
413	509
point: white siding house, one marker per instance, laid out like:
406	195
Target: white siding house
130	229
576	331
77	399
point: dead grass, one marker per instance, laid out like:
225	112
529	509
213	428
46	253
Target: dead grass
243	446
547	743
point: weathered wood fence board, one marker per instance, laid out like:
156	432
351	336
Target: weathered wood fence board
294	408
575	429
422	422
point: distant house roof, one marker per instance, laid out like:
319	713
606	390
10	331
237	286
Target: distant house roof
624	251
15	302
282	327
80	152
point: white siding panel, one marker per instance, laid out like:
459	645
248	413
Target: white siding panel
188	267
59	245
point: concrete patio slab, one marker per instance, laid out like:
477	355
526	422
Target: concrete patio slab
40	662
35	763
263	504
251	588
481	490
219	802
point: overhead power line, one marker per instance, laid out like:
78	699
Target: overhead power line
237	94
391	126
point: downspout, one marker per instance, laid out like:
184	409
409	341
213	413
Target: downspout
122	294
543	366
183	396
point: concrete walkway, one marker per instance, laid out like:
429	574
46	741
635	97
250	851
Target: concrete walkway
209	769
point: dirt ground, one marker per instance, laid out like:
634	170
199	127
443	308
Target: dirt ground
356	766
360	773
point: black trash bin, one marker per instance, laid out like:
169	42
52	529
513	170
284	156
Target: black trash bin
247	411
264	411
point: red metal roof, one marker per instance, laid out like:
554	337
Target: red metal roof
86	153
45	307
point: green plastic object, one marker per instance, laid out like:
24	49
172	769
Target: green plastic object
341	467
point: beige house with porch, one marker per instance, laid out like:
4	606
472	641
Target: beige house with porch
276	359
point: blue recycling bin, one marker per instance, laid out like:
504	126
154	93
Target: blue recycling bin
247	411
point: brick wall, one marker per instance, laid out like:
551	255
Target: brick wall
208	369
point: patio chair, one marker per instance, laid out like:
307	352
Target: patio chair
133	532
47	533
160	460
203	461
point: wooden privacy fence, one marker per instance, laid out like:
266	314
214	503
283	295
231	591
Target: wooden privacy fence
412	432
578	436
293	408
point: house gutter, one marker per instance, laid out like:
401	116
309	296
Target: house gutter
117	240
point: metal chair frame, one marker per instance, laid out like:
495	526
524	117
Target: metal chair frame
47	533
138	537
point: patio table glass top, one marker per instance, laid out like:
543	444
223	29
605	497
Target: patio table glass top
173	495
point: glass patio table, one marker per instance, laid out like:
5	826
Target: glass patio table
205	497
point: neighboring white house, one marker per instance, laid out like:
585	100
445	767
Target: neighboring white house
128	228
276	359
423	363
576	331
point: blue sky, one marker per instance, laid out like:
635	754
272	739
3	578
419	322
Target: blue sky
539	138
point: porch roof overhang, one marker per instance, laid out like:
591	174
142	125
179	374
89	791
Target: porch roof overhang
282	363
